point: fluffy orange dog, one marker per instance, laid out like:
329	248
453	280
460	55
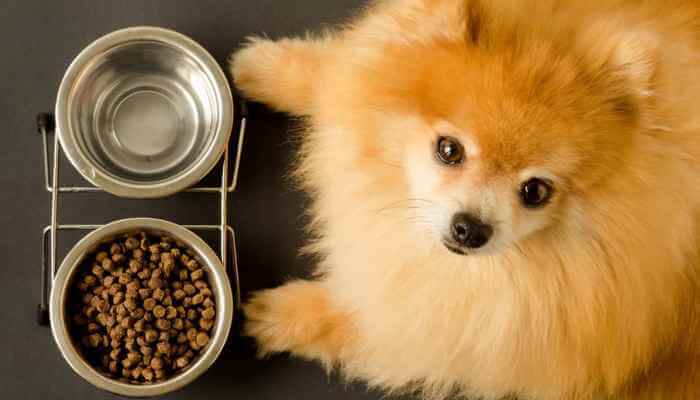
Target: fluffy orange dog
507	197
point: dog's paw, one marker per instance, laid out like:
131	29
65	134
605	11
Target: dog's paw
266	322
296	318
252	65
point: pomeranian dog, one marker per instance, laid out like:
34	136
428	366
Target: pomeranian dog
506	197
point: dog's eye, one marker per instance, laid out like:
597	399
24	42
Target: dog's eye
449	151
535	192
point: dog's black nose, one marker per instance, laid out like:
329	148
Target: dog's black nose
469	231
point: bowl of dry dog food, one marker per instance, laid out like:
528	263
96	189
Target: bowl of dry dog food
141	307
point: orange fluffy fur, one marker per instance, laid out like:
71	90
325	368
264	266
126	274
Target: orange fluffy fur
595	296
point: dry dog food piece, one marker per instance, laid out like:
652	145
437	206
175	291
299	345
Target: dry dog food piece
131	293
97	270
170	312
138	313
135	265
163	324
118	298
208	313
148	316
182	362
157	363
149	304
198	299
151	335
137	254
164	348
159	311
136	372
116	248
202	339
158	293
147	374
127	322
179	294
178	324
141	308
197	275
206	324
192	265
155	283
144	293
131	243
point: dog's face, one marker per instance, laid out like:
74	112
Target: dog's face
474	198
498	144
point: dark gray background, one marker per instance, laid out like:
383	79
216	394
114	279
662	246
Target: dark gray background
37	41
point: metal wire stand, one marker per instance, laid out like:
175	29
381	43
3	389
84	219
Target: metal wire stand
45	126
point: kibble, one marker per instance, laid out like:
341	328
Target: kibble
197	275
131	243
97	270
147	374
116	248
202	339
192	265
142	308
158	293
208	313
206	324
170	312
144	293
163	324
149	304
138	313
179	294
118	258
182	362
159	311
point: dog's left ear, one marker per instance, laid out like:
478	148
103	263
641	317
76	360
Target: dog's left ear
626	63
634	59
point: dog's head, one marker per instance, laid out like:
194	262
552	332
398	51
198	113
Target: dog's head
502	130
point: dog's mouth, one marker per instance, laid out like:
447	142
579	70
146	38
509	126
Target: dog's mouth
454	248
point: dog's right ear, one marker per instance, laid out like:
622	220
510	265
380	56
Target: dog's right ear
627	62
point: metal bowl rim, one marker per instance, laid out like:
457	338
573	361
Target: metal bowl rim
59	292
193	173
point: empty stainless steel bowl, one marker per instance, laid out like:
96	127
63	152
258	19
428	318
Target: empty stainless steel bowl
144	112
218	281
